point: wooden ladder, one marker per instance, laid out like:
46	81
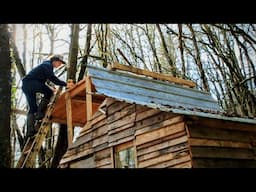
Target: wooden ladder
33	144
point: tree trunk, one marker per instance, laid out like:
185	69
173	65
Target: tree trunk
71	73
24	44
183	68
198	60
5	99
86	53
166	52
61	146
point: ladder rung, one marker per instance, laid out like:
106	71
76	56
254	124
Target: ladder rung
32	142
27	151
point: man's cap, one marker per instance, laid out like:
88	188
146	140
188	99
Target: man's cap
57	58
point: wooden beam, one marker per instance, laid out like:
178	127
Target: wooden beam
169	78
88	98
69	118
77	88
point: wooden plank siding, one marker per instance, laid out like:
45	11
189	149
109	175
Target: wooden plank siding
216	143
159	137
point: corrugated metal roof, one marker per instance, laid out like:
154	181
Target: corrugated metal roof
155	93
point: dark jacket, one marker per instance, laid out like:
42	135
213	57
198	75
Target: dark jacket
43	72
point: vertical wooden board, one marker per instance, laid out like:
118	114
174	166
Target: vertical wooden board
88	98
112	157
69	118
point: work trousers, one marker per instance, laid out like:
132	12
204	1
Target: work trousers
30	87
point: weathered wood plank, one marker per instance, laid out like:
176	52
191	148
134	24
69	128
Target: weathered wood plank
100	131
78	149
83	139
103	162
120	114
84	163
110	101
153	135
88	98
153	74
217	152
123	140
114	131
140	108
222	163
163	144
146	114
100	147
125	120
121	134
156	160
160	124
187	164
76	156
158	141
69	118
102	154
222	124
100	140
116	106
173	162
218	143
153	120
218	134
171	149
107	166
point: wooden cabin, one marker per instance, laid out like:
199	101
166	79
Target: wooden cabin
136	121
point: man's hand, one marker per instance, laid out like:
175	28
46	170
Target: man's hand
70	84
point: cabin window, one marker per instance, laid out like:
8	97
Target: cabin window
125	156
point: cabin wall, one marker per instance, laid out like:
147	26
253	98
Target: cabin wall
217	143
159	138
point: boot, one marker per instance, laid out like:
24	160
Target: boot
31	125
41	109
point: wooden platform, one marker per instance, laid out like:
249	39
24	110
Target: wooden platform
78	102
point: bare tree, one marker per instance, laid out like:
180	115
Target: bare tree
5	99
71	73
86	53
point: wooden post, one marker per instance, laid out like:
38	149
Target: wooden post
69	118
88	98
